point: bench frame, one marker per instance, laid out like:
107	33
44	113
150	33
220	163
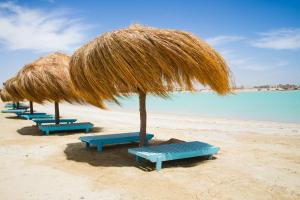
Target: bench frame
16	111
61	121
134	137
50	129
158	158
37	116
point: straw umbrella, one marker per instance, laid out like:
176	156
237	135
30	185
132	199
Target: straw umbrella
47	79
145	60
12	89
4	95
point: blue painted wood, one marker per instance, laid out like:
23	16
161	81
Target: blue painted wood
28	113
166	152
121	138
14	111
11	105
36	116
51	121
14	107
87	126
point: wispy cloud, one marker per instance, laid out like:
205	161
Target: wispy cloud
38	30
237	61
223	39
279	39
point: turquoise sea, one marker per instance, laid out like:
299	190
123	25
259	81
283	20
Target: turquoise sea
280	106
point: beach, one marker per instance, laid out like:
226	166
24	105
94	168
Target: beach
257	160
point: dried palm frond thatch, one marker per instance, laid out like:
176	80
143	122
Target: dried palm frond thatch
145	60
11	86
47	79
5	96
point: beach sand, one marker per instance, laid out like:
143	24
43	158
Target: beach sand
258	160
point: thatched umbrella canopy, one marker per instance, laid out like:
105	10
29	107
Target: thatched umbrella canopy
47	79
146	60
11	86
4	95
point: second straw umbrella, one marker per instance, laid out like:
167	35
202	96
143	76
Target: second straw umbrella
47	79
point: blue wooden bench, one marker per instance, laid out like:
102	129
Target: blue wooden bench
14	111
15	105
28	113
121	138
36	116
87	126
51	121
165	152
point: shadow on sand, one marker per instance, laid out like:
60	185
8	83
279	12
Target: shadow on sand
15	117
118	156
35	131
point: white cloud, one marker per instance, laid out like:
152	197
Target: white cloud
38	30
279	39
236	61
223	39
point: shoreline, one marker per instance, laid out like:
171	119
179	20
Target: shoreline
169	121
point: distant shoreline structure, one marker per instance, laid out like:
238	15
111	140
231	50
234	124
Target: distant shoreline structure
279	87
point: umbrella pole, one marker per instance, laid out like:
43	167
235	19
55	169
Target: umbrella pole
31	107
143	118
56	112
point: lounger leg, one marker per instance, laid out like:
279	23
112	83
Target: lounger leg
158	165
47	132
87	145
99	147
210	157
87	130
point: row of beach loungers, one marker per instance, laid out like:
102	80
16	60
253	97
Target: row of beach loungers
46	122
155	154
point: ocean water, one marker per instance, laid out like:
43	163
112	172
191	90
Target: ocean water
279	106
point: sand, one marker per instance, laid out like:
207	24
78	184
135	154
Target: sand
258	160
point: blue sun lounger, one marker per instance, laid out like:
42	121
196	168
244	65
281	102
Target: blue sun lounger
10	105
87	126
100	140
28	113
36	116
51	121
165	152
14	111
15	107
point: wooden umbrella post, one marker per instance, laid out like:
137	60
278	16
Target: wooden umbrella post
143	118
56	105
31	107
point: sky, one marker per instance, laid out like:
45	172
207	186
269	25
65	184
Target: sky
259	39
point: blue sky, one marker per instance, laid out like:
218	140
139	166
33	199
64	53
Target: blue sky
260	39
